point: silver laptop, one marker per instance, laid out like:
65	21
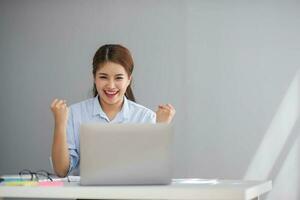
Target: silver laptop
125	154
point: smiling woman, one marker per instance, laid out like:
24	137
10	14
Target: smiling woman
115	55
112	69
113	102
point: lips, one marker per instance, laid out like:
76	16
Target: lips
110	94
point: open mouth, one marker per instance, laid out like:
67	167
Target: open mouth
110	94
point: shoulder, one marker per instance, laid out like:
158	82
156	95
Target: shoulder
82	105
139	108
140	112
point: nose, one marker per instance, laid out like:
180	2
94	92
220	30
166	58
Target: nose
111	84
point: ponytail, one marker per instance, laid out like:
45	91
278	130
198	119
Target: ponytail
129	93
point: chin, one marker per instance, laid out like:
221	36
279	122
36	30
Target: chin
112	102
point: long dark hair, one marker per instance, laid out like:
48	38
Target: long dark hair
117	54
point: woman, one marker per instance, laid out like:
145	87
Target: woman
113	102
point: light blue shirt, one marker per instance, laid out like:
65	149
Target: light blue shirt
91	111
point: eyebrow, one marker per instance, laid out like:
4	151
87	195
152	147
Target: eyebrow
100	73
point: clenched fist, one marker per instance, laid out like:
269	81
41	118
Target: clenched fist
165	113
60	112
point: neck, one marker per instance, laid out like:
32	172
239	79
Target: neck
111	110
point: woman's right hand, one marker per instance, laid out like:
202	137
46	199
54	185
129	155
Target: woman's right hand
60	112
60	153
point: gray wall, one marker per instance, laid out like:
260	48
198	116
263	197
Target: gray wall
229	68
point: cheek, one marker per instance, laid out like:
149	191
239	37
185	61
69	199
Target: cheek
99	83
122	85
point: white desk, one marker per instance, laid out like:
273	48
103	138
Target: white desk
180	189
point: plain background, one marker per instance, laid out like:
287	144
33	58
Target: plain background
228	67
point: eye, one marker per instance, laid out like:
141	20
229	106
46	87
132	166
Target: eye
102	77
119	78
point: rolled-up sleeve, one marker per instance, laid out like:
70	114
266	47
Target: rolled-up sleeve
74	158
73	152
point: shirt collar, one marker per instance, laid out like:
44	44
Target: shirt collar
123	114
97	109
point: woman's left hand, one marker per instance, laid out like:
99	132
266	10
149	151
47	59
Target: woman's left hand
165	113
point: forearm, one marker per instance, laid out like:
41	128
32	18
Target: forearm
60	153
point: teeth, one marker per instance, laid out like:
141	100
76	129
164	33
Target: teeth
111	92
